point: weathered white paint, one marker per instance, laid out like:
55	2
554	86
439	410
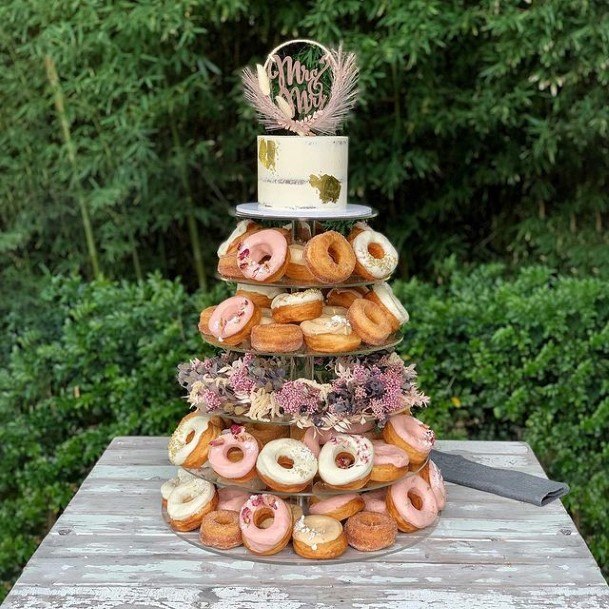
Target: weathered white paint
112	549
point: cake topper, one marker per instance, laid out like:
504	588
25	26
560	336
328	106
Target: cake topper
307	91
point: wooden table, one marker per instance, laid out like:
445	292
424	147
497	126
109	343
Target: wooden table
111	549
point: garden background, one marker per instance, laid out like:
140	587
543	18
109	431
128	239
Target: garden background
481	135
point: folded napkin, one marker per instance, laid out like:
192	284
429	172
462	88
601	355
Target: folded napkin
503	482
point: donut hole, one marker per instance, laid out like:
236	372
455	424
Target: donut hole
415	499
264	259
376	251
285	462
344	460
334	254
189	437
263	518
234	454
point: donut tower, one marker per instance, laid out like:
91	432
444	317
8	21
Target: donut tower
301	444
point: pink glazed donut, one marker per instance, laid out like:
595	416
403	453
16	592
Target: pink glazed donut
314	438
264	256
233	319
231	499
411	503
433	476
257	510
339	507
374	501
227	446
411	435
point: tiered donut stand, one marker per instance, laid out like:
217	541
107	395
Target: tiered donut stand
301	364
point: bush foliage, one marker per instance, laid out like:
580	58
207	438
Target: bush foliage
526	358
481	130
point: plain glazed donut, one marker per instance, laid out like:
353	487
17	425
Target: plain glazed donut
276	338
243	229
329	257
264	256
225	450
339	507
188	503
411	503
370	531
228	266
286	465
342	297
320	537
233	319
261	295
383	296
189	443
220	529
433	476
369	322
297	269
411	435
390	462
345	462
231	499
204	320
298	306
272	539
375	257
330	334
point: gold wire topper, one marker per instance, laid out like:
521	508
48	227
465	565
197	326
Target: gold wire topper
289	95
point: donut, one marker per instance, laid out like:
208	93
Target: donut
263	432
374	501
370	531
390	462
411	435
411	503
272	539
241	231
383	296
276	338
228	266
189	443
329	257
340	507
295	510
260	295
220	529
298	306
297	269
204	320
233	320
343	297
357	228
319	537
345	462
369	322
189	502
313	438
264	255
231	499
286	465
330	334
375	257
433	476
233	454
181	477
332	310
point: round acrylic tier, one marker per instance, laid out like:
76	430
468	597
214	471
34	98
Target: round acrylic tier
285	282
245	347
287	556
353	211
318	489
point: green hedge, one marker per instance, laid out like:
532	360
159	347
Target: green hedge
509	358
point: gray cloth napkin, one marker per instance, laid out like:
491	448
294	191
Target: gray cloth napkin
503	482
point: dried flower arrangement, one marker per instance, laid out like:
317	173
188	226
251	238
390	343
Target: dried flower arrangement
279	111
362	388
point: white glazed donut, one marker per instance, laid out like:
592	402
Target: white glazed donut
286	465
181	477
189	502
383	295
376	257
189	443
345	461
242	227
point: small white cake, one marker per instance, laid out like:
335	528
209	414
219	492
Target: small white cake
296	172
